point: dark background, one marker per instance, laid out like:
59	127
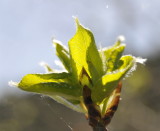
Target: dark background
26	32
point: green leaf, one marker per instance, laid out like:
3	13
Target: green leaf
111	56
69	103
50	84
83	51
101	71
110	80
63	55
112	62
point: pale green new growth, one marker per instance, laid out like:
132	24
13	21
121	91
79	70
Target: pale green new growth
84	53
105	68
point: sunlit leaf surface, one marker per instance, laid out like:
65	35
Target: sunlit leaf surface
100	71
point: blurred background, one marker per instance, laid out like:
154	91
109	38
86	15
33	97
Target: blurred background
26	31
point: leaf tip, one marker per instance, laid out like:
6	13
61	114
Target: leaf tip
141	60
46	66
13	84
121	38
55	42
42	63
76	21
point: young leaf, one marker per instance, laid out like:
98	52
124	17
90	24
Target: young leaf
69	103
63	55
110	80
110	56
93	82
112	62
50	84
83	50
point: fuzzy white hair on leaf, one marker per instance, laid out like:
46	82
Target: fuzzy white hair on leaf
121	38
141	60
43	64
54	41
46	67
12	83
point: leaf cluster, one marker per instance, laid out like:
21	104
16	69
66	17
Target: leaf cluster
101	70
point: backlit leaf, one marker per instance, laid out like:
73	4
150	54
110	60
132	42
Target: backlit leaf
110	56
50	84
110	80
83	51
100	72
69	103
63	55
